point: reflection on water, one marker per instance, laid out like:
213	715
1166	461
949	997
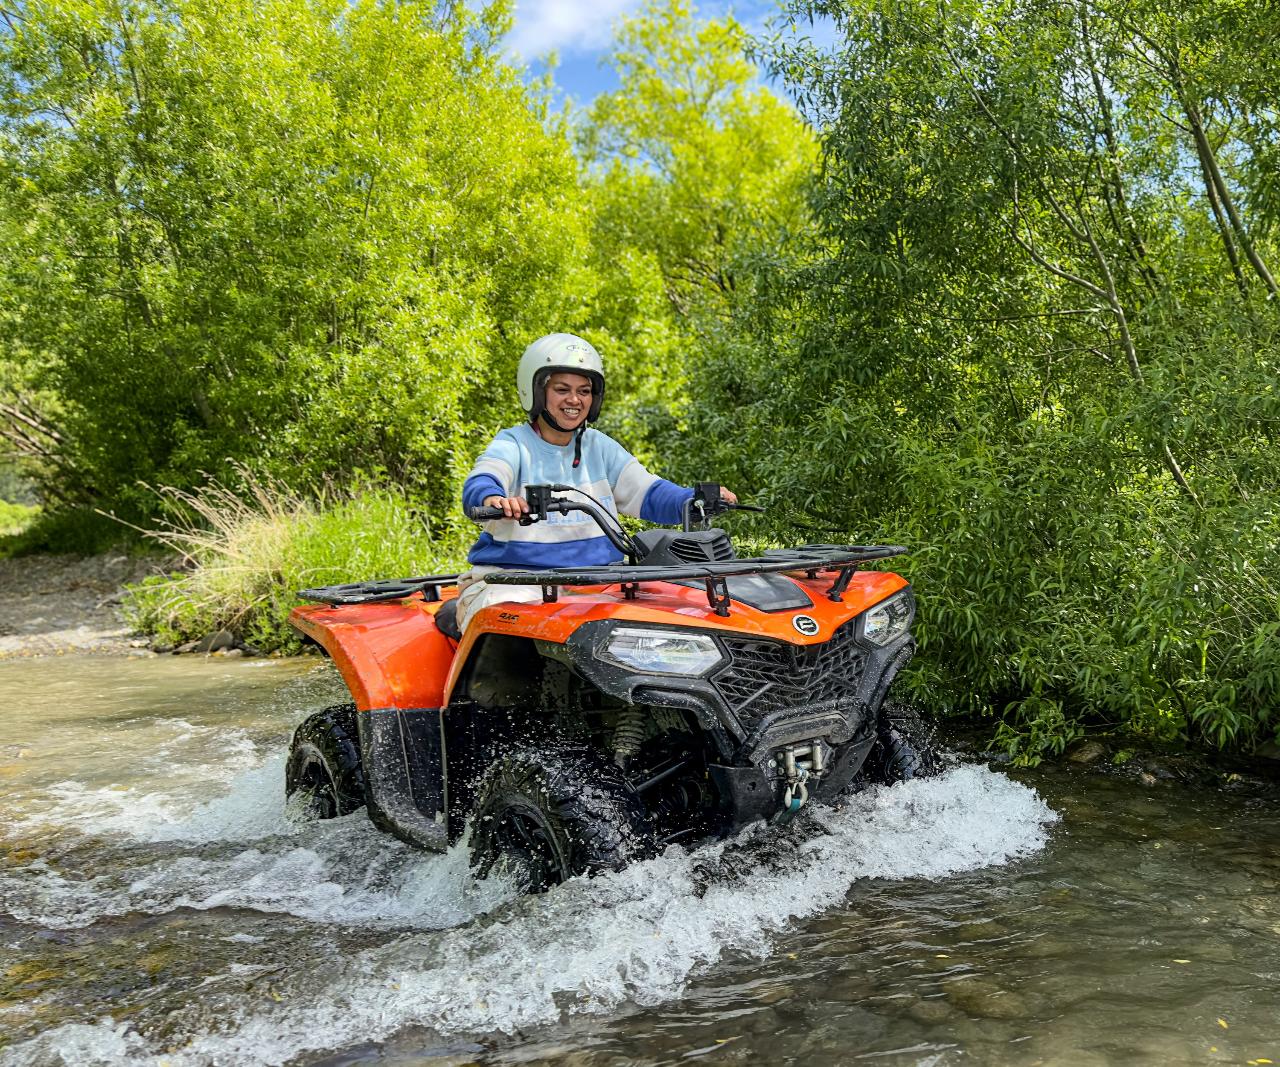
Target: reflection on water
158	904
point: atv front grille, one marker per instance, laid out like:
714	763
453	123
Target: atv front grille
765	676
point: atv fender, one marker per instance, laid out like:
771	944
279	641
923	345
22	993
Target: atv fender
404	774
394	661
391	655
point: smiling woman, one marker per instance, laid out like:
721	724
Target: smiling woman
561	383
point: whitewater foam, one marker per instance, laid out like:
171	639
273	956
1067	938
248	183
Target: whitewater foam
472	959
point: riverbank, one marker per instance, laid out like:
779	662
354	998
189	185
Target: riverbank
54	605
60	605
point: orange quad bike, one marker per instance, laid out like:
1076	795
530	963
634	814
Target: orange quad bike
682	694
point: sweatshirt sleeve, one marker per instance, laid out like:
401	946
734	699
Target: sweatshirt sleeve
494	473
664	502
478	488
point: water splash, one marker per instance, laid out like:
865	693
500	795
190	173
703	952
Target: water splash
470	958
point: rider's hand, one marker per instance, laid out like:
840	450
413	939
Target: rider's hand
727	496
513	507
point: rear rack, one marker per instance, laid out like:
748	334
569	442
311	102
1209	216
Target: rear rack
373	592
812	559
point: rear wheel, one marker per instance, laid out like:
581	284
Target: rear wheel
544	816
324	763
903	750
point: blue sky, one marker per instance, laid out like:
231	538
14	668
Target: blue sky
579	31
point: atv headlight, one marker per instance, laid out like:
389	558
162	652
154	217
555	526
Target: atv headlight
662	651
889	619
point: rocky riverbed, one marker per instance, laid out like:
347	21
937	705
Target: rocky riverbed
55	605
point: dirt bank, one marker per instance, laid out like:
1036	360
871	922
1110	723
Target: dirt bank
56	605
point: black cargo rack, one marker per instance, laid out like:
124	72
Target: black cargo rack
374	592
812	559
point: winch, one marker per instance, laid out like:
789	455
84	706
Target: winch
796	765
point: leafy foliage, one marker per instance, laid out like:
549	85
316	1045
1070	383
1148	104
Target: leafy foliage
1037	339
304	233
14	518
696	176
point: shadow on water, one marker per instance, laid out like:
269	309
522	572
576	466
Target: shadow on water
158	904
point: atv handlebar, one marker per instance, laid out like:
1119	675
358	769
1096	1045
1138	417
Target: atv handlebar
542	503
538	510
484	514
705	502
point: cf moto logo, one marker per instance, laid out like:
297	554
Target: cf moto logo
806	625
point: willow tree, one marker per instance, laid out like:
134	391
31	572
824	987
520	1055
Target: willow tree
308	233
1041	335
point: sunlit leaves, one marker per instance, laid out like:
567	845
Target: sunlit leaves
308	233
1024	349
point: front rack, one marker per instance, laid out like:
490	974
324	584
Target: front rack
812	559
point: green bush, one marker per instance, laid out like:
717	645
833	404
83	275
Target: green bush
15	518
1025	338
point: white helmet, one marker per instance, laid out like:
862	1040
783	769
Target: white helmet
558	352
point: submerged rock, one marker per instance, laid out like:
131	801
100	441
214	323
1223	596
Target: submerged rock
932	1011
986	1000
1086	752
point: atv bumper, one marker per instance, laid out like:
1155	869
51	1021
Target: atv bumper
763	698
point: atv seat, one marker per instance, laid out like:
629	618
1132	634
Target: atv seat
447	620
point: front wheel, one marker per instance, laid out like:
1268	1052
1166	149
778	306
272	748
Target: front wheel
903	750
324	763
544	816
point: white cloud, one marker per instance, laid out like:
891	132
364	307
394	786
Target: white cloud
564	26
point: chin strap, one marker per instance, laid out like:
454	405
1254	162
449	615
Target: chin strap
577	435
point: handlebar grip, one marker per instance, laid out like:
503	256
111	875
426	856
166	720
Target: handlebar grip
484	514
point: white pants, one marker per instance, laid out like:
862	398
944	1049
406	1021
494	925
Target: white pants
473	594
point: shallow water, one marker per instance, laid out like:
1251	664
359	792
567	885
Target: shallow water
159	905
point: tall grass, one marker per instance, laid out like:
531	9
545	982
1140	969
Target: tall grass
246	551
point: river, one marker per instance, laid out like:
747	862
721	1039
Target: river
159	905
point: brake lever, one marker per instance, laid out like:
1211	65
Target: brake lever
707	499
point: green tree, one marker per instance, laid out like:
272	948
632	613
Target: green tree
1040	337
309	234
696	177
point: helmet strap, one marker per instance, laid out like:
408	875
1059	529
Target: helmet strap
577	436
545	416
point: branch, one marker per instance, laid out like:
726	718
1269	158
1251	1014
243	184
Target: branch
971	319
29	417
1128	226
1213	175
26	444
1052	268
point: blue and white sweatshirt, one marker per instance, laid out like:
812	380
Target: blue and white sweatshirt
518	457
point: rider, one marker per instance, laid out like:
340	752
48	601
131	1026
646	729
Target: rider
561	385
